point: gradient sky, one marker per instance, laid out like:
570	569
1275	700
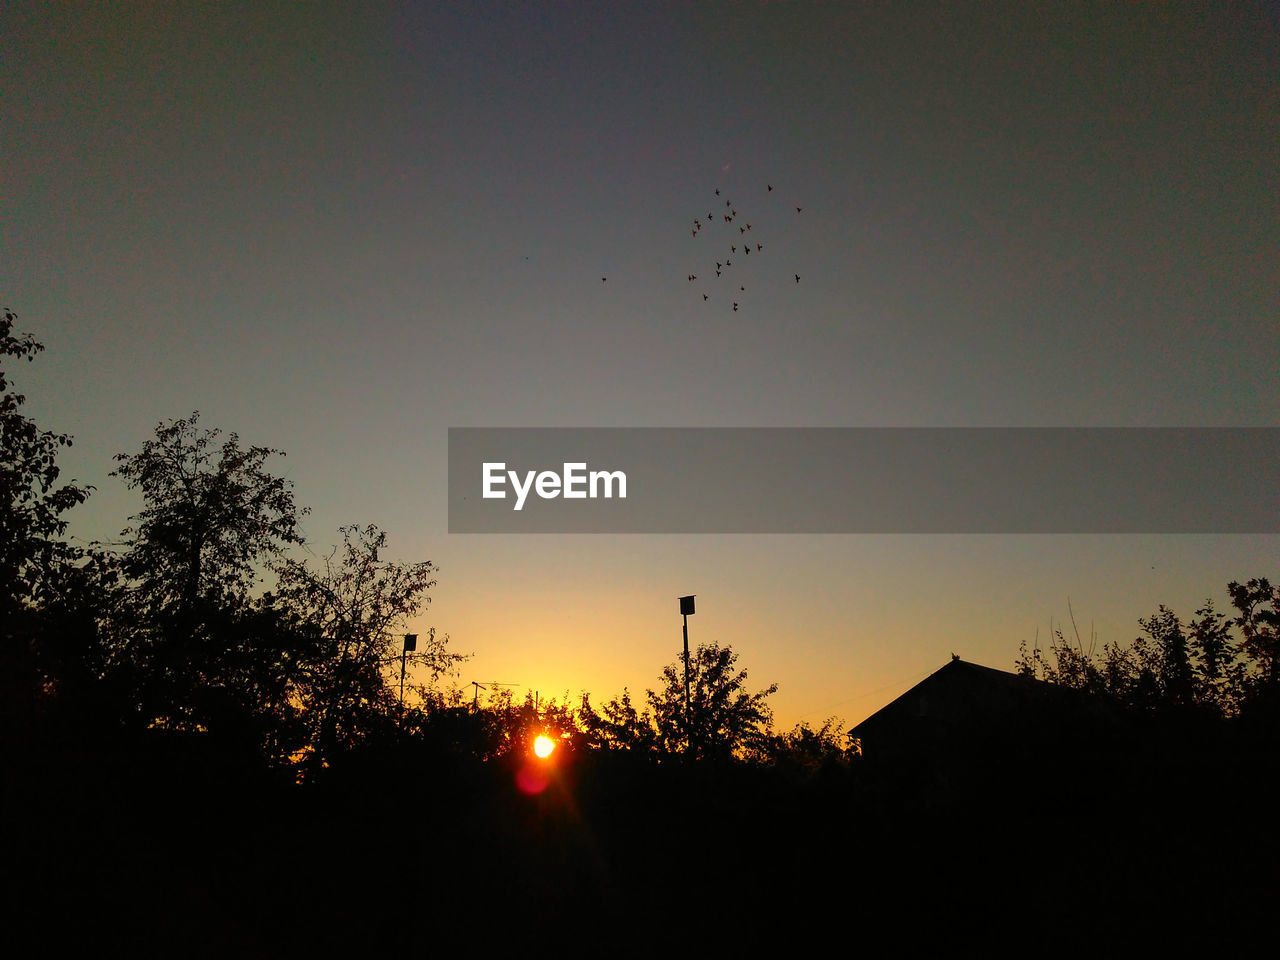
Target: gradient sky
340	230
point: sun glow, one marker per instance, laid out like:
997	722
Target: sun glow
543	746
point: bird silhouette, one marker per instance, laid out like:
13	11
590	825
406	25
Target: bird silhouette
603	279
730	214
735	308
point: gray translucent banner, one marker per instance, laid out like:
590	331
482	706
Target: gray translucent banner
864	480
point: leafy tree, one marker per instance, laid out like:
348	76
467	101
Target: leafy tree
213	516
617	725
448	720
811	750
80	665
1063	662
350	616
515	724
1219	673
556	718
727	720
1194	665
1154	671
31	509
1258	605
1172	656
213	519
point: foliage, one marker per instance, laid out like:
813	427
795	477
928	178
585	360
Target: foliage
726	720
213	516
454	723
811	750
168	629
171	631
729	723
350	617
1258	605
199	652
76	616
1199	665
31	506
617	725
1220	673
31	521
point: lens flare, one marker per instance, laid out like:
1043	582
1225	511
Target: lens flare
543	747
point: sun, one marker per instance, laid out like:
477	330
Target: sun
543	746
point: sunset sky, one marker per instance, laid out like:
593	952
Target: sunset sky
339	230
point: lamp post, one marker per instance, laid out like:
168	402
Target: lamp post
686	609
410	644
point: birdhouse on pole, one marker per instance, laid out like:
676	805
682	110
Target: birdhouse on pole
410	644
686	609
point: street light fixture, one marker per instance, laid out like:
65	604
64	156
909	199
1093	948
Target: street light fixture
686	610
410	645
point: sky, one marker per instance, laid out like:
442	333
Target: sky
339	230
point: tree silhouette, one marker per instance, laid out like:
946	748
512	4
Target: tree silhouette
213	518
1220	672
1258	604
1198	665
350	616
1171	666
617	725
451	722
810	750
213	515
31	523
727	721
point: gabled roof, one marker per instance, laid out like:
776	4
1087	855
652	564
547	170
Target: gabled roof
963	694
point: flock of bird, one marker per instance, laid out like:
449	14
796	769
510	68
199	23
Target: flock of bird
741	243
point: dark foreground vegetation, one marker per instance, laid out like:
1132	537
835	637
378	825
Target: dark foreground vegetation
174	844
205	753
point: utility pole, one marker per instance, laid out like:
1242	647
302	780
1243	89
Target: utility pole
475	700
410	643
686	608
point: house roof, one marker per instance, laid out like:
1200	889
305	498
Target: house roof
962	694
